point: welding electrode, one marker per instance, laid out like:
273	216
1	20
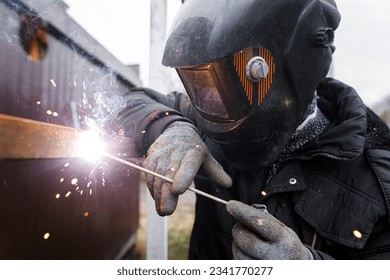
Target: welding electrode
162	177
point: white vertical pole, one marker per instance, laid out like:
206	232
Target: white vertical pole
157	227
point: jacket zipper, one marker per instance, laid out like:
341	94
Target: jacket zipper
306	158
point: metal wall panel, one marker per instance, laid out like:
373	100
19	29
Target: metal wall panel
63	208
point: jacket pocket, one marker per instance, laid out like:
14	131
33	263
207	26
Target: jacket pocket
338	212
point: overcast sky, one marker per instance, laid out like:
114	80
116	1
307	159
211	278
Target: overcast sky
362	57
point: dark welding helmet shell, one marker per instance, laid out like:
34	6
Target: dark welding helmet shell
212	44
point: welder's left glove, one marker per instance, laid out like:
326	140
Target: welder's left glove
179	153
259	235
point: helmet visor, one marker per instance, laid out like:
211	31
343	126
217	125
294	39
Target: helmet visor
205	92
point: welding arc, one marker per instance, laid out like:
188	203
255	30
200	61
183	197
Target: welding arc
140	168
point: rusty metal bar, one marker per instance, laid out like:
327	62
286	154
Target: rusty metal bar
24	138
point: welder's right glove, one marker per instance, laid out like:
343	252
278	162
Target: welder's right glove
178	153
259	235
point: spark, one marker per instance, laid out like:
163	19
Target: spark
85	101
263	193
39	102
74	181
46	236
99	98
58	195
62	180
287	102
68	194
49	112
66	164
55	114
53	83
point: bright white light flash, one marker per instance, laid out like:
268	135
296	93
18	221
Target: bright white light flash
91	146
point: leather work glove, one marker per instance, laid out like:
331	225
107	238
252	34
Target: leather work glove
259	235
178	153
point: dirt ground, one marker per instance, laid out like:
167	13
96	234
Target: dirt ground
179	226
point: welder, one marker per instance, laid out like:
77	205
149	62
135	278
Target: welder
302	162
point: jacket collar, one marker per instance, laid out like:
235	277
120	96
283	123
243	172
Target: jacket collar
345	136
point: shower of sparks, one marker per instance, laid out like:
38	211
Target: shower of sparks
92	147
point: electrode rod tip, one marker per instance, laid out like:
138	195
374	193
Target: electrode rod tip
208	195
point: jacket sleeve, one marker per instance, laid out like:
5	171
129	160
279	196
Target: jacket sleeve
318	255
148	113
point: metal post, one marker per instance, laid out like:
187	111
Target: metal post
157	227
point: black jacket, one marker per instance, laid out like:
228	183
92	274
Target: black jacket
334	192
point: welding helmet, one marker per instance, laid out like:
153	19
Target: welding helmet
251	67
